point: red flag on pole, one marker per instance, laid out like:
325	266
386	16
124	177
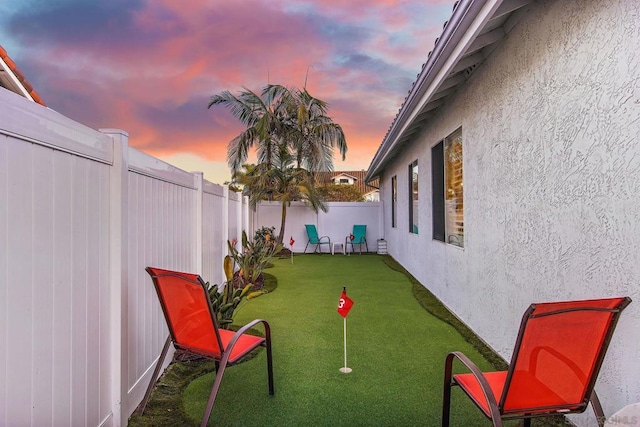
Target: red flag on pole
291	241
345	303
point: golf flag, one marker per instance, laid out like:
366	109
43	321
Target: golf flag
291	242
345	303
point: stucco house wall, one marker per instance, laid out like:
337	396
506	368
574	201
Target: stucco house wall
550	124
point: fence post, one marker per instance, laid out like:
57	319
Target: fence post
239	219
198	178
118	271
244	205
225	227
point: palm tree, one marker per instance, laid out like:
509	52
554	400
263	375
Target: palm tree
282	182
314	135
263	117
286	127
280	115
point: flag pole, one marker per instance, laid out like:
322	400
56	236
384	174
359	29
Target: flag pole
345	369
344	305
291	242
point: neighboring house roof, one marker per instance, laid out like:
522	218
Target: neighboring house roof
11	78
474	30
345	175
324	178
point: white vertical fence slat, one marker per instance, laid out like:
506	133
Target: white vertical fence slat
233	227
92	301
4	276
19	321
225	223
79	292
198	182
63	226
43	287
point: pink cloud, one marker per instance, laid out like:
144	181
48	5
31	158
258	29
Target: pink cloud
153	75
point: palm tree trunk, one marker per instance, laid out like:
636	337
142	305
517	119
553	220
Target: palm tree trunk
282	223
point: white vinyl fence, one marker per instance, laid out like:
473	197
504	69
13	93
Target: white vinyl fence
81	215
337	223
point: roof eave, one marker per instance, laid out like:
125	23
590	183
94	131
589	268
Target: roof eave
466	22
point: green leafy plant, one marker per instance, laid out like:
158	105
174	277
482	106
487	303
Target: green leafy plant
225	301
253	257
264	235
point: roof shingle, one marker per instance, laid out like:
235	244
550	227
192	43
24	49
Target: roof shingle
324	178
13	69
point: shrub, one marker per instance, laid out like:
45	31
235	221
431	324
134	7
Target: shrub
253	257
225	301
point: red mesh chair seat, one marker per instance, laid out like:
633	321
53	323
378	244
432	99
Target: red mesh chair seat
527	396
193	327
243	346
558	354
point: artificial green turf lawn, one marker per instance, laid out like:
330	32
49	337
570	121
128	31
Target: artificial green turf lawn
395	348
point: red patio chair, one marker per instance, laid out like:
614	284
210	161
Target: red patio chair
193	328
553	370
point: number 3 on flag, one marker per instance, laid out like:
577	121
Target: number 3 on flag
344	304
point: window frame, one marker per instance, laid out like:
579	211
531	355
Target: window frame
444	196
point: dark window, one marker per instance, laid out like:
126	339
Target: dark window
394	200
413	197
437	190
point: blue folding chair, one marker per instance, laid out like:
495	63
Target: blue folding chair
357	237
312	234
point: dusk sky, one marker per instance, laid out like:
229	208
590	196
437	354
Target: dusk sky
149	67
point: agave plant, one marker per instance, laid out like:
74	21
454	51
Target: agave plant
253	257
225	301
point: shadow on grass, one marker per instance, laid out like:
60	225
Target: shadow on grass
429	302
165	406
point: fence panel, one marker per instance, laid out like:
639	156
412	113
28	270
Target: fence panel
81	216
54	228
161	234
